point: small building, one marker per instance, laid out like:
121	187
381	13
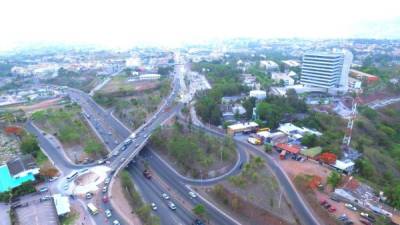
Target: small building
231	99
258	94
269	65
62	204
242	127
345	166
293	149
273	138
17	171
369	78
291	129
239	109
282	77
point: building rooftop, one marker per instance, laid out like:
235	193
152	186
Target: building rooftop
289	148
23	163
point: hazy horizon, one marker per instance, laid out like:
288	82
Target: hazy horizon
126	23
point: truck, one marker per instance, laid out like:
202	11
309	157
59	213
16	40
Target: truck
147	174
92	209
254	141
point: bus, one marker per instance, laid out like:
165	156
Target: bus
92	209
263	129
72	176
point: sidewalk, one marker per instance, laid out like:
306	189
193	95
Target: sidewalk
121	205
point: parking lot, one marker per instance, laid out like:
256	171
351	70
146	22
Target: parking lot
36	212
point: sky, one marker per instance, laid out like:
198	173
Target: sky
123	23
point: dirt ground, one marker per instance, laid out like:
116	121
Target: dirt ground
295	168
121	204
41	105
121	83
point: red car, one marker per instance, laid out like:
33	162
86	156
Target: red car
332	209
105	199
366	222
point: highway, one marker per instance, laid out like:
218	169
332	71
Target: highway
103	120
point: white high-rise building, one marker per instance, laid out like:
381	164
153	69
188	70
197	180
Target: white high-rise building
328	70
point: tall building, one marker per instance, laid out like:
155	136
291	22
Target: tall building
328	70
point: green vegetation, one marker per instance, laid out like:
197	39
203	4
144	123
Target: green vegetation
25	188
84	81
69	219
67	124
334	179
133	105
136	202
29	145
200	211
249	174
225	81
195	152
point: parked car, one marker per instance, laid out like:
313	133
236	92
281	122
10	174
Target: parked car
332	209
107	180
366	222
116	222
350	206
171	205
104	189
43	189
66	186
165	196
88	195
334	198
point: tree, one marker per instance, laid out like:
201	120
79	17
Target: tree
268	148
334	179
92	147
365	168
29	145
199	210
309	140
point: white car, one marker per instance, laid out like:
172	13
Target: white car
116	222
107	180
108	213
66	186
104	189
171	205
53	178
350	206
192	194
153	206
165	196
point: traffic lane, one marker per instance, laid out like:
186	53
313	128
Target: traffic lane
152	193
53	153
296	201
175	183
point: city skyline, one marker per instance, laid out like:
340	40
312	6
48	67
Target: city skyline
172	23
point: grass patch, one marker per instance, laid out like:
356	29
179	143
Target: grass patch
195	152
69	219
142	210
41	158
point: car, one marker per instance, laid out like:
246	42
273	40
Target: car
66	186
104	199
334	198
147	174
122	159
332	209
171	205
107	180
137	145
45	198
327	206
43	189
343	217
88	195
124	147
53	178
153	206
108	213
145	136
192	194
197	222
165	196
367	216
100	162
104	189
366	222
116	222
350	206
116	152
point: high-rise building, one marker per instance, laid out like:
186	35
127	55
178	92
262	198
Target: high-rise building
328	70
